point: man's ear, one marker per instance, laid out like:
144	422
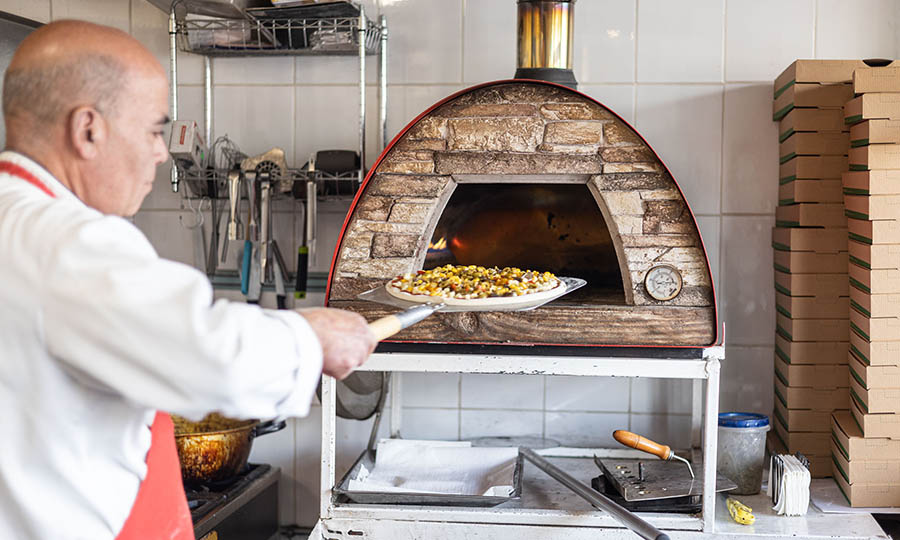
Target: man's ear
87	131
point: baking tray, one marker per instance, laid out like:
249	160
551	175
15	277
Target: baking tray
341	494
380	295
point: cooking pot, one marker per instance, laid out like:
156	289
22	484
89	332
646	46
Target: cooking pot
216	448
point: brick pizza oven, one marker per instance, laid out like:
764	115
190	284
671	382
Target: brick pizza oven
535	175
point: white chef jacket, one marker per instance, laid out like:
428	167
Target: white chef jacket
97	333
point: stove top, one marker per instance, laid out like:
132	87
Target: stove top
247	501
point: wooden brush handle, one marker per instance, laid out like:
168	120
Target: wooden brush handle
633	440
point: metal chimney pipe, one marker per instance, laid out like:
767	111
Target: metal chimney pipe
546	37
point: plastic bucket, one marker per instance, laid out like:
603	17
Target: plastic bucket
742	449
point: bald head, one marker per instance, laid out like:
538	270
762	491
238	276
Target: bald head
67	64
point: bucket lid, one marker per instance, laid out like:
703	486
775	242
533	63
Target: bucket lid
743	419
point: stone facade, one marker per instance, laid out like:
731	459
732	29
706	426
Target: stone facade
508	130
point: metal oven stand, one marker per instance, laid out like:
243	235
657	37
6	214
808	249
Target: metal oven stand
346	521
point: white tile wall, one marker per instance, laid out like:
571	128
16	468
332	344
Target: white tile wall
694	76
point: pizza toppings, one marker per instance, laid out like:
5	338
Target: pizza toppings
468	282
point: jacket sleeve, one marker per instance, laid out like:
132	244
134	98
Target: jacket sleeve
121	317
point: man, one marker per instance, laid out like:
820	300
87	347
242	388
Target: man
97	333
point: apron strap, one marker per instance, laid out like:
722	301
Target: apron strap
18	171
160	510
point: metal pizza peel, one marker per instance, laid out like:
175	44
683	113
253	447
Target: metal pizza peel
413	312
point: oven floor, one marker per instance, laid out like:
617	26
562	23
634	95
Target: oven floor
542	493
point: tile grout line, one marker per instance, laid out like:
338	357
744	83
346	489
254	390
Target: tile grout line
634	84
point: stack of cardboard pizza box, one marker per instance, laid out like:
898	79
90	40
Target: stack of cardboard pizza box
811	258
866	446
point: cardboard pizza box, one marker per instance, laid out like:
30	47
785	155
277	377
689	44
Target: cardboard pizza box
802	419
874	281
879	256
819	240
812	168
812	284
871	106
819	466
858	471
873	495
805	442
878	131
816	399
874	157
807	95
810	215
817	71
875	305
874	376
813	376
874	400
878	353
879	182
807	262
811	191
826	330
877	79
814	144
876	426
874	232
811	352
851	443
872	207
875	329
812	307
812	120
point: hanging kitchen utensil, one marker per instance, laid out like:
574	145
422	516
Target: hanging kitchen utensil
234	231
358	405
265	218
271	162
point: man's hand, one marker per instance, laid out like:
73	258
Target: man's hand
345	337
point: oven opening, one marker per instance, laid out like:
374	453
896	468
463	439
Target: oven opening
555	227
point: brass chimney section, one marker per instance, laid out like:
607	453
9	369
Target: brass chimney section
546	41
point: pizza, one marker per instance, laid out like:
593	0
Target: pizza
475	285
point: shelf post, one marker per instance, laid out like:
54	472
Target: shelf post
173	85
382	110
362	92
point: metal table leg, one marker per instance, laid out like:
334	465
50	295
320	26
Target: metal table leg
710	433
328	446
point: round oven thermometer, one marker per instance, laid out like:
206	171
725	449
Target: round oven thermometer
663	282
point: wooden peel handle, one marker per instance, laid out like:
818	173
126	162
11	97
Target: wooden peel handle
633	440
385	327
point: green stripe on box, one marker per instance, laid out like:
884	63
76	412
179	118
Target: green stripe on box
782	289
841	488
784	88
860	262
840	469
856	376
787	179
785	202
853	119
783	421
780	398
781	354
854	167
840	446
787	223
781	247
860	309
860	286
784	159
859	402
860	332
859	355
783	333
860	239
859	142
783	311
783	379
856	215
856	191
782	112
783	137
857	425
781	268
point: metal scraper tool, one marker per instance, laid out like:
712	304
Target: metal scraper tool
663	452
639	480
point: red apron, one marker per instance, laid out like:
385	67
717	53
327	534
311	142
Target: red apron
160	510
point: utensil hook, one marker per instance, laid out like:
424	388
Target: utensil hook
198	213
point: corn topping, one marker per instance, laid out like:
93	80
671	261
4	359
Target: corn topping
466	282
